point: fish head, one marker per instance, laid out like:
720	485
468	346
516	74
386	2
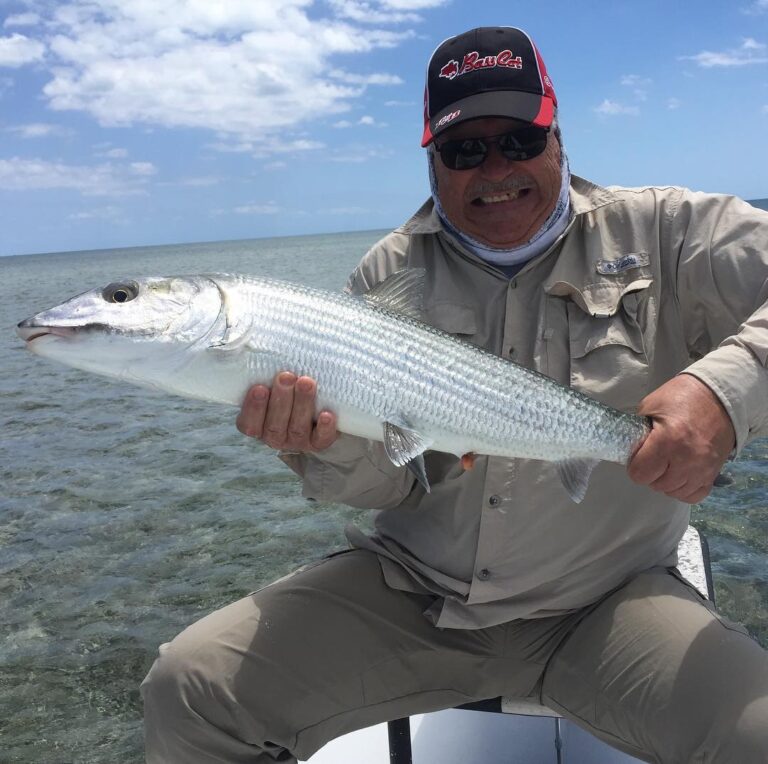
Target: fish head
126	328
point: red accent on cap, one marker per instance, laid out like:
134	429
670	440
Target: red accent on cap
546	113
549	90
426	139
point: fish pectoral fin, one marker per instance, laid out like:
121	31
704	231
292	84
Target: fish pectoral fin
233	341
574	475
402	292
405	448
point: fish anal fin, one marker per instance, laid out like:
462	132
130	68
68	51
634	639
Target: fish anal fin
405	448
574	475
402	292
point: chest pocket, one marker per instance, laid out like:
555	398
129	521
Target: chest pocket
609	346
453	318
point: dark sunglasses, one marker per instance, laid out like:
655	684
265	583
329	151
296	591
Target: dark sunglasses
516	145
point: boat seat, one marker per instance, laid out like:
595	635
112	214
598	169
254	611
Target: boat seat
693	563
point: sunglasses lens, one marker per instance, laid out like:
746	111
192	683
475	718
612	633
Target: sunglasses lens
517	146
523	144
463	154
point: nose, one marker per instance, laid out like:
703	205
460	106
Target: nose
496	165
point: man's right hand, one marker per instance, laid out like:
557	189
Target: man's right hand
283	416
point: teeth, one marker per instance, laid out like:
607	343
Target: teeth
507	196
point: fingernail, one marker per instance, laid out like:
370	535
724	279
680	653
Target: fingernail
287	379
259	394
324	418
304	385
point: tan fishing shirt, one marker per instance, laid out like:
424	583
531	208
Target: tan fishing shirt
643	284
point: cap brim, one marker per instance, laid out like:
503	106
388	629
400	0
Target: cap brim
514	104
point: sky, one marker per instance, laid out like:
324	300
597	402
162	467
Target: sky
144	122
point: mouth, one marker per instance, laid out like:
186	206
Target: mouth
30	333
500	197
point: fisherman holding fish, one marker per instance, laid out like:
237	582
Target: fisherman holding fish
493	582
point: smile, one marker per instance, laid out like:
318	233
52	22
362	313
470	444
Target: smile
503	196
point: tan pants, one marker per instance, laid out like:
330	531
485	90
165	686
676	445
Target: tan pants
330	649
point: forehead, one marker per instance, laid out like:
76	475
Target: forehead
480	128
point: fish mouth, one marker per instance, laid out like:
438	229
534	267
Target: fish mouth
29	332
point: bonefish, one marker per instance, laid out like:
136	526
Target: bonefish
386	375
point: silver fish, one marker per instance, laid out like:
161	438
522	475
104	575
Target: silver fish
387	376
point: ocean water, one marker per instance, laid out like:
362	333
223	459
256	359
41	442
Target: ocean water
125	515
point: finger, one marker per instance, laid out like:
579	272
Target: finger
693	496
468	461
250	420
649	462
325	431
671	481
279	410
302	414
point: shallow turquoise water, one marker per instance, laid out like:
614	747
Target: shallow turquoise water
125	515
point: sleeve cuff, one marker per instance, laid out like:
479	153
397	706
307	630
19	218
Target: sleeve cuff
740	382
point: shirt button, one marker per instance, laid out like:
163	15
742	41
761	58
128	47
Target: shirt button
513	285
484	574
494	500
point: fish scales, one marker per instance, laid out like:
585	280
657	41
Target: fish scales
420	374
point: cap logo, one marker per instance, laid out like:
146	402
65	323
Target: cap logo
473	62
448	118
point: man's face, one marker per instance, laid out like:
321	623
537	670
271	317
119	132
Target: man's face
501	203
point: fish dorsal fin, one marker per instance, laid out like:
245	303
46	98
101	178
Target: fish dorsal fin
574	475
405	447
402	292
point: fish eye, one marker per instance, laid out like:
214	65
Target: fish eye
121	292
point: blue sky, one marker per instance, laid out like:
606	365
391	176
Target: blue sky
131	122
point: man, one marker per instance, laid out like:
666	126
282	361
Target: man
494	582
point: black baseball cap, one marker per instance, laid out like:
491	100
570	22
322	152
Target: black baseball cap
486	72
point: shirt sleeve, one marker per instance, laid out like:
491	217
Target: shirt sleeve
352	471
722	291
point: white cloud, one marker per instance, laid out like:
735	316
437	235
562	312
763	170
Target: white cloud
610	108
673	103
749	52
359	154
383	11
18	174
636	81
638	84
765	109
365	79
399	103
142	168
38	130
268	67
22	20
18	50
279	165
200	182
270	208
366	121
96	213
755	8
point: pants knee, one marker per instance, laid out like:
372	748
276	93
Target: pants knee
747	741
173	680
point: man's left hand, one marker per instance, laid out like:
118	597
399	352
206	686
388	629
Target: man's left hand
691	438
